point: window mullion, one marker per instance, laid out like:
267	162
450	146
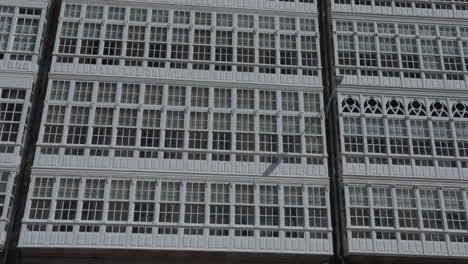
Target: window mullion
235	31
465	200
37	46
182	196
188	96
305	202
328	207
256	209
191	36
170	41
102	36
277	47
66	119
302	125
207	203
299	66
131	200
9	195
53	199
281	209
115	118
441	54
139	123
146	43
377	50
420	218
387	139
233	123
14	23
396	219
433	148
279	123
255	45
92	116
24	115
27	210
444	216
370	195
79	38
400	61
123	53
362	120
348	208
81	189
356	51
256	124
157	197
163	128
232	201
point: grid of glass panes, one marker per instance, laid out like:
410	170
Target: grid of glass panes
401	50
406	130
92	204
407	7
6	192
191	205
89	117
184	39
20	28
12	110
66	204
408	208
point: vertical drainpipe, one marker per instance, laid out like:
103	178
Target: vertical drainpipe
327	54
11	254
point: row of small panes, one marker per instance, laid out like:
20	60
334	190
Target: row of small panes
409	236
130	93
171	155
401	29
399	128
145	190
442	4
405	162
407	202
5	10
184	17
220	232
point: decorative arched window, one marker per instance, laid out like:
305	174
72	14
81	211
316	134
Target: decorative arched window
350	105
417	108
372	106
460	109
439	109
394	107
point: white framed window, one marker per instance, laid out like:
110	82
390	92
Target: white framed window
358	199
293	201
269	205
431	209
144	201
169	211
118	201
318	214
67	199
94	12
219	204
244	213
93	200
41	198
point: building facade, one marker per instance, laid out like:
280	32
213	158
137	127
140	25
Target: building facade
21	34
183	125
403	119
196	131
